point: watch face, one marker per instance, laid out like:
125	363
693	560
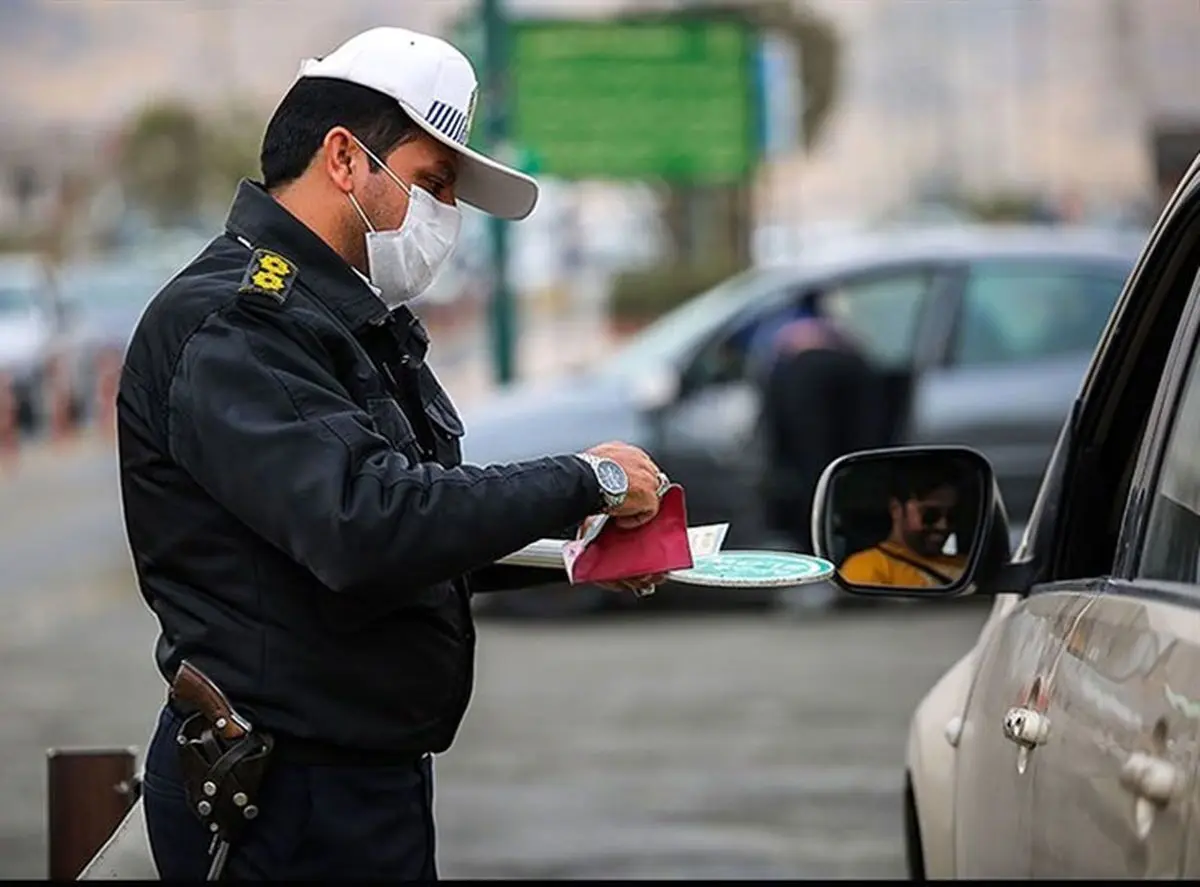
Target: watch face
612	478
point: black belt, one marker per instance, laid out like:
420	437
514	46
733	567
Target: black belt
317	753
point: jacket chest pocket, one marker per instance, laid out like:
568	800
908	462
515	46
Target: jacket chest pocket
391	422
447	429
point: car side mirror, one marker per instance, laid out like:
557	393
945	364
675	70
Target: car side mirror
911	522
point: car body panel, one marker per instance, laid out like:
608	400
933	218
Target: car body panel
590	408
935	733
1116	658
1120	684
993	793
930	759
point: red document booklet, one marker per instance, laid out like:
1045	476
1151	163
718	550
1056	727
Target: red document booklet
607	553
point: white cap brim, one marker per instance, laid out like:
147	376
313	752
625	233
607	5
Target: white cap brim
435	85
484	183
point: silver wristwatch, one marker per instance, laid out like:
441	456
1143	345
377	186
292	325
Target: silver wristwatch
614	483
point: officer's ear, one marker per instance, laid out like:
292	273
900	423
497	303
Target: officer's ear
342	159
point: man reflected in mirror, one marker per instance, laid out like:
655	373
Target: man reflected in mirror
922	550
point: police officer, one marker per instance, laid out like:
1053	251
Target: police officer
299	519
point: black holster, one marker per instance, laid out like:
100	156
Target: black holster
222	778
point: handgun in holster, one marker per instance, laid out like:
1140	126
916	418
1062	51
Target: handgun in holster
223	758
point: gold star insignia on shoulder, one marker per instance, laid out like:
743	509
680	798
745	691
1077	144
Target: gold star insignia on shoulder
270	274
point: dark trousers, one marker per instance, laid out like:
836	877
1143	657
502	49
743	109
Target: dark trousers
316	822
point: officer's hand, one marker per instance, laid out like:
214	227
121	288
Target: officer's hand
645	483
639	585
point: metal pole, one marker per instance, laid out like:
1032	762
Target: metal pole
502	308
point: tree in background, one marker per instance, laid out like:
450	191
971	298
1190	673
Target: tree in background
180	166
160	164
819	48
724	212
233	137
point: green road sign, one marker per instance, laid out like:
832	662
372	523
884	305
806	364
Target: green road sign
674	99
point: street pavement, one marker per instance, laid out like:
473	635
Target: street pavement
650	745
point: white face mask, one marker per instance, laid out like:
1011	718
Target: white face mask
404	262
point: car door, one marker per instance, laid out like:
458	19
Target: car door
993	800
706	439
1024	336
1115	789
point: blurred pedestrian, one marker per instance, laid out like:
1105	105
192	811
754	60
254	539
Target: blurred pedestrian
821	399
300	520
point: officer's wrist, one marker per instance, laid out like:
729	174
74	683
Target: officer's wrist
590	484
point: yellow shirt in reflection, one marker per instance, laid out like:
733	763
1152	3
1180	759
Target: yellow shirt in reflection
888	564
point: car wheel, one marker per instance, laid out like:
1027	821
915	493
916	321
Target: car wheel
545	602
914	855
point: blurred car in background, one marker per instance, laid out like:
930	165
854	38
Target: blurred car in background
982	334
27	332
100	302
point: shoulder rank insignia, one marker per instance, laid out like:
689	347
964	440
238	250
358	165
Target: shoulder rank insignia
270	274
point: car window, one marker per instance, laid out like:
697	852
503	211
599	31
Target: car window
1019	313
1172	546
882	312
735	355
676	333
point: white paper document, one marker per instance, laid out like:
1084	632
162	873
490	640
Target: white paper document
548	553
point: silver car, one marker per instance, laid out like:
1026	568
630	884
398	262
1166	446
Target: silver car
1066	743
28	332
983	334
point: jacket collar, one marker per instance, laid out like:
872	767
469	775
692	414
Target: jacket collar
259	218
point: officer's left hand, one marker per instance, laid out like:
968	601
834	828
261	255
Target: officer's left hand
642	586
639	585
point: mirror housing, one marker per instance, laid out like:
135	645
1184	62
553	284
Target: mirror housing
918	522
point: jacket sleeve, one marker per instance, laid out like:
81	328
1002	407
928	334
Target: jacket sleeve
260	422
506	577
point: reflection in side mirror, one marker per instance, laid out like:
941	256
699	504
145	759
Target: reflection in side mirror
907	521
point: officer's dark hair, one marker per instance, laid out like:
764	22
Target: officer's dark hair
315	105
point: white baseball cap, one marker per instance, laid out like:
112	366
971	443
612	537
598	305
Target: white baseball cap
435	84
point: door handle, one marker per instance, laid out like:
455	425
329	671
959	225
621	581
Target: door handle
1151	777
1154	782
1028	728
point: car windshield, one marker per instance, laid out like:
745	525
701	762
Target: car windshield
673	335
